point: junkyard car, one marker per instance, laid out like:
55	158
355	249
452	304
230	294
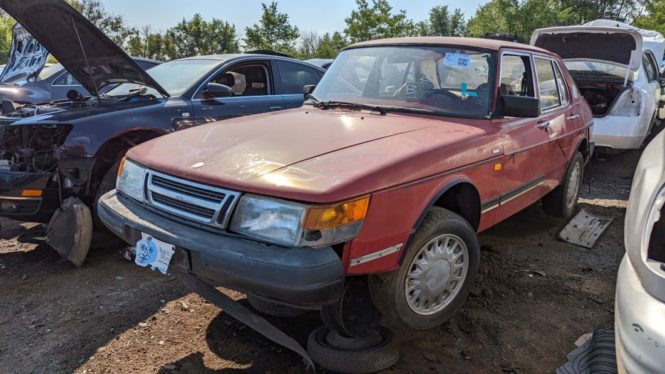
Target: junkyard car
640	291
617	77
53	83
71	148
408	149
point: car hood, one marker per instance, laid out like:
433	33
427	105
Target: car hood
26	57
30	92
84	50
614	44
314	155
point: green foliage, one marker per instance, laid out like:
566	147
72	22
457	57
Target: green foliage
654	19
377	21
112	25
331	45
442	23
198	37
6	25
274	32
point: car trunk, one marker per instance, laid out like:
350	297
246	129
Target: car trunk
604	57
599	94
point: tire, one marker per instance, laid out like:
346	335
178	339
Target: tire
559	202
349	360
440	227
103	237
272	308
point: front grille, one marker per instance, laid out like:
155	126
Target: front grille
196	202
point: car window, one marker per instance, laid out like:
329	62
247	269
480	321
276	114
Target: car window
245	80
49	71
547	86
516	77
448	80
561	85
295	77
649	68
66	80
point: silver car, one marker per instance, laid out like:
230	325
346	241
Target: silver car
640	292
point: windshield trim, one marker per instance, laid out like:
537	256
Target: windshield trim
491	82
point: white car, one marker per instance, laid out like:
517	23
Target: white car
640	293
619	79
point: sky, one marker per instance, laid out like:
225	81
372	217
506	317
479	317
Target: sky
308	15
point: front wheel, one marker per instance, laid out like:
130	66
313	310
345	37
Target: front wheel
561	202
436	274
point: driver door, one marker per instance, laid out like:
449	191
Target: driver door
253	92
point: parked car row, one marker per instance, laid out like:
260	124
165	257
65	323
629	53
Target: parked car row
364	202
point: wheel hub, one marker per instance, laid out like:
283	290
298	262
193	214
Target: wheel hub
436	274
574	185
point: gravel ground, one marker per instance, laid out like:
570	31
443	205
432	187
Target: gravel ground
534	297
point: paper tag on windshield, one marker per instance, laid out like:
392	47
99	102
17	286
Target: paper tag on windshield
458	60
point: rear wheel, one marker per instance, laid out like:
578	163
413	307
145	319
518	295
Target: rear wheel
104	238
561	202
436	274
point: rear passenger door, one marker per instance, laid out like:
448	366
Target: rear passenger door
293	78
253	92
652	85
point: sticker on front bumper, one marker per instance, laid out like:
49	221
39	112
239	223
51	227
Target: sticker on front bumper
154	253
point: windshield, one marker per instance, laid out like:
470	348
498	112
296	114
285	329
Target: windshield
443	80
595	69
176	77
49	71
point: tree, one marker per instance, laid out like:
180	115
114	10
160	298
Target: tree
442	23
110	24
331	45
274	32
654	19
513	17
309	44
377	21
199	37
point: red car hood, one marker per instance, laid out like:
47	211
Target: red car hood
309	154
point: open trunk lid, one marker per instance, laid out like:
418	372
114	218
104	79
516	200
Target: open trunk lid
601	43
84	50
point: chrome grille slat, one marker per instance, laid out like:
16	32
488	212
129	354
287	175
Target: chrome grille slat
197	202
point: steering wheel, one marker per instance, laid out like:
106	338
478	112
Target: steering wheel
405	86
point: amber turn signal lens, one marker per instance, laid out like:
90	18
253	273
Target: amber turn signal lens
32	193
326	217
122	164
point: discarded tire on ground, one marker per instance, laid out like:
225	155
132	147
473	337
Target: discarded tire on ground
272	308
350	355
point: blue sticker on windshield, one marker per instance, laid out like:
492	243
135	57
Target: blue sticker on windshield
458	60
465	91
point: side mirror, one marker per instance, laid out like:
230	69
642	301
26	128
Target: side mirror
308	89
520	106
214	90
661	80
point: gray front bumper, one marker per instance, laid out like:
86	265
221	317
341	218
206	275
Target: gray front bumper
297	276
639	323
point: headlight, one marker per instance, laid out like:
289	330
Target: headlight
293	224
628	104
131	180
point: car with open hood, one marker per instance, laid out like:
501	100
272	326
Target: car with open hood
378	186
639	317
51	153
618	77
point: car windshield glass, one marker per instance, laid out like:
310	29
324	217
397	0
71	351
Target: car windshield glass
176	77
596	69
437	79
49	71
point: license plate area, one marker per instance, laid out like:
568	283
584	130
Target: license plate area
154	253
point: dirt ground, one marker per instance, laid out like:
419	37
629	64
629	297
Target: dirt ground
534	297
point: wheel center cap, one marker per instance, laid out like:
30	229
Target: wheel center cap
437	276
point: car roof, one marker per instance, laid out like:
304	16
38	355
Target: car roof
492	44
232	56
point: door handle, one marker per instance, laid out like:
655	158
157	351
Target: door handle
543	124
573	117
276	107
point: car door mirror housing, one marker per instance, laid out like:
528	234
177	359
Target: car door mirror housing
308	89
215	90
661	80
520	106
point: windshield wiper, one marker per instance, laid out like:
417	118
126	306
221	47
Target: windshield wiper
343	104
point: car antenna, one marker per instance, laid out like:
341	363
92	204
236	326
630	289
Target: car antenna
85	58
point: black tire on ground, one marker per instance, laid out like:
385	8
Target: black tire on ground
272	308
347	360
557	203
388	290
602	359
103	237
